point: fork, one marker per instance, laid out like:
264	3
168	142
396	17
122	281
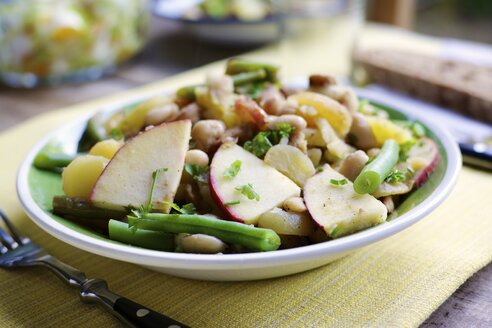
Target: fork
20	251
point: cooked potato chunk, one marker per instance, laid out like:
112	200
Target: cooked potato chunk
80	176
106	148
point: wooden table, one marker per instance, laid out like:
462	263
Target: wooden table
169	52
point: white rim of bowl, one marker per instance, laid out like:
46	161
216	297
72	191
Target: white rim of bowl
148	257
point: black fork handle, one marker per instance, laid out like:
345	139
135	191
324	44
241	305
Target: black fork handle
132	313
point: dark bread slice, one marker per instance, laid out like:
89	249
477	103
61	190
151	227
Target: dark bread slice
461	86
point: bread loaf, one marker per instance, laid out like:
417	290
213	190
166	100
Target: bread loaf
461	86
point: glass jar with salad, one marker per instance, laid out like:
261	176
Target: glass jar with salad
45	42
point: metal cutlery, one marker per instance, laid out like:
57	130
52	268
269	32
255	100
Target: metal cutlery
19	251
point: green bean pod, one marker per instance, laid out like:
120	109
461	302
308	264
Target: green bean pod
242	78
376	171
238	65
120	231
83	209
46	160
230	232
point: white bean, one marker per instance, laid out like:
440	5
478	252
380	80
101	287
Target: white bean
295	121
201	244
196	157
161	114
207	133
353	164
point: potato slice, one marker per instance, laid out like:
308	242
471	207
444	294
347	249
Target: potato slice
106	148
80	176
286	223
324	107
292	162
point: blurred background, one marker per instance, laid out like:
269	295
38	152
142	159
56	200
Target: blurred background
57	53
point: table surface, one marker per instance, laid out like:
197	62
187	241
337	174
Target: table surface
469	306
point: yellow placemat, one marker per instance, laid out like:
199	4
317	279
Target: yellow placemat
397	282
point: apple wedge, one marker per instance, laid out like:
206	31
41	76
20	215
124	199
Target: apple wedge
338	209
127	179
423	157
271	186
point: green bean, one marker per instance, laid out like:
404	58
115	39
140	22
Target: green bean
230	232
79	208
95	131
376	171
238	65
120	231
47	160
242	78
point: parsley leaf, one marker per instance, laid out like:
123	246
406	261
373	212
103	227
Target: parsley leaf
340	182
335	231
186	209
155	176
247	190
284	130
233	170
264	140
199	173
396	176
259	145
234	202
117	134
404	148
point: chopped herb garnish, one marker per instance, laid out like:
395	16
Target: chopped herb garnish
233	170
259	145
248	191
340	182
362	105
410	172
418	129
186	209
264	140
117	134
199	173
320	169
396	176
404	148
235	202
147	208
285	130
335	231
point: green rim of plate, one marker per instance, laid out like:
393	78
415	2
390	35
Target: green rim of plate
44	185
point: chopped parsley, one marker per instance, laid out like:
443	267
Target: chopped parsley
148	207
320	169
185	209
396	176
259	145
248	191
233	170
235	202
405	148
335	231
362	105
117	134
417	129
199	173
340	182
264	140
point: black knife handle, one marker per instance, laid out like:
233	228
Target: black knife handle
479	156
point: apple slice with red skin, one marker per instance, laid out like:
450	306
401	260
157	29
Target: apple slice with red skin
425	155
126	180
337	208
272	186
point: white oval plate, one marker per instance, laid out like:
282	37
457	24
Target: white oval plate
231	267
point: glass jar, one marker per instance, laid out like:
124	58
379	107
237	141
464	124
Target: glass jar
46	42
